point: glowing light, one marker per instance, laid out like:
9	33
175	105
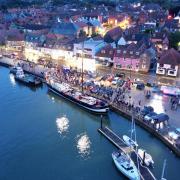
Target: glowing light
169	17
12	80
157	104
83	144
62	124
124	24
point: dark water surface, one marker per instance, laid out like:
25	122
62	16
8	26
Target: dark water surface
43	137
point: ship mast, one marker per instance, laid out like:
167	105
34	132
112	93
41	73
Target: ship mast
82	68
163	170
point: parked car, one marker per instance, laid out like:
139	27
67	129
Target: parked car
115	80
120	75
140	86
150	83
147	110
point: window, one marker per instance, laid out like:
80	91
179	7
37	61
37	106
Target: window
131	52
118	66
118	51
124	52
171	72
137	53
110	52
173	66
103	51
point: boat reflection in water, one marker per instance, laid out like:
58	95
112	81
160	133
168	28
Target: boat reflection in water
62	124
83	145
12	80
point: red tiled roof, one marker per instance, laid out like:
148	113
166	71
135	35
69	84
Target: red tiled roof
170	57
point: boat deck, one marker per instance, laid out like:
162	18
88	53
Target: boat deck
145	173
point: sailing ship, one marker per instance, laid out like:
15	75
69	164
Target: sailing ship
84	101
129	140
124	164
80	98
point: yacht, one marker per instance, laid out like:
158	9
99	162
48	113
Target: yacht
128	141
85	101
27	79
148	159
124	164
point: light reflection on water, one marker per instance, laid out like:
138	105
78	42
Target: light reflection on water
83	145
12	80
52	98
62	124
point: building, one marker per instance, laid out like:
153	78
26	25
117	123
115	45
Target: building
106	54
89	48
66	29
169	63
132	57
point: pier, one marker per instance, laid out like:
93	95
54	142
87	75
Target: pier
145	173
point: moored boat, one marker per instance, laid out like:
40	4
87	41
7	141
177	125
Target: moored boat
147	159
129	141
124	164
14	69
85	101
27	79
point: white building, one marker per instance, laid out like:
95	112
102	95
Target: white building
169	63
89	48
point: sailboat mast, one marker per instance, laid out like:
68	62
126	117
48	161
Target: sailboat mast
164	166
82	67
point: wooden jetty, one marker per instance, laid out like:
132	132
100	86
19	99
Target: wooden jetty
145	173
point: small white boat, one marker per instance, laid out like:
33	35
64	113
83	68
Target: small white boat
20	73
128	141
148	159
124	164
14	69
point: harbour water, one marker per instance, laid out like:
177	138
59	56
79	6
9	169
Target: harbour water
45	137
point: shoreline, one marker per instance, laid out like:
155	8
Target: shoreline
7	62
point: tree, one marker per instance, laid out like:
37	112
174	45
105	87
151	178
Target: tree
174	40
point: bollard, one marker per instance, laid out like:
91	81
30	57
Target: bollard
101	120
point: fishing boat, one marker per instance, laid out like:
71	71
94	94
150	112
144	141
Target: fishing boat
27	79
85	101
128	141
145	157
14	69
124	164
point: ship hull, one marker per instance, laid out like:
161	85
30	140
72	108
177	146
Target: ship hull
102	110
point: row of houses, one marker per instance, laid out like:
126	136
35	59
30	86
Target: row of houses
130	54
101	34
